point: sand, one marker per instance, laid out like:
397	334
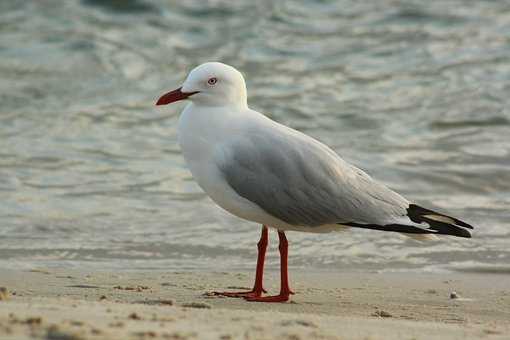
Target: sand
71	304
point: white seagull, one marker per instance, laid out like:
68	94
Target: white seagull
265	172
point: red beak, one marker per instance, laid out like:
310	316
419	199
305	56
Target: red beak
174	96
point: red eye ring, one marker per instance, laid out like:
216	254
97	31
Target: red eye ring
212	81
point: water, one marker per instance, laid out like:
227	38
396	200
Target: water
91	175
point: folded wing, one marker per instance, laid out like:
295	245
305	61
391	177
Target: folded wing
302	182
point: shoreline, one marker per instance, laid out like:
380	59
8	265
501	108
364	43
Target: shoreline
153	304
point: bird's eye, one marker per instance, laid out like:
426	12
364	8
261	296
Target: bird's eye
212	81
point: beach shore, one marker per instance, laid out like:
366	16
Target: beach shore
71	304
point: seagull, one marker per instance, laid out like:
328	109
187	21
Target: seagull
265	172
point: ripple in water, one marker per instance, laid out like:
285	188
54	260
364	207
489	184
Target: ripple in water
91	174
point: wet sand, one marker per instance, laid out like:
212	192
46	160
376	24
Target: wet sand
71	304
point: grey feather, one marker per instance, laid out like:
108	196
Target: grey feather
303	182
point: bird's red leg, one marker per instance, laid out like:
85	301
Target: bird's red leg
284	288
259	274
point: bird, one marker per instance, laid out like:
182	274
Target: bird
265	172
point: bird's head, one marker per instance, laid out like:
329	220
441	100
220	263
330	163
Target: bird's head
210	84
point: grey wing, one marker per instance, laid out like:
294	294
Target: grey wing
302	182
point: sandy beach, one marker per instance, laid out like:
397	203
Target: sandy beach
69	304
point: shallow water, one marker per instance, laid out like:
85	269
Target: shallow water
414	92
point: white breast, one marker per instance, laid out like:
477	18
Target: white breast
200	137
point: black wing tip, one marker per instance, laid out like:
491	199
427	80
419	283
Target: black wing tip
419	214
399	228
466	234
409	229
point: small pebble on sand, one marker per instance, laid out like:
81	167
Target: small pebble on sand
137	288
148	334
134	316
96	331
56	333
196	305
32	321
4	294
116	324
304	323
382	314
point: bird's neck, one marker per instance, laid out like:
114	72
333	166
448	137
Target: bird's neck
209	120
221	104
